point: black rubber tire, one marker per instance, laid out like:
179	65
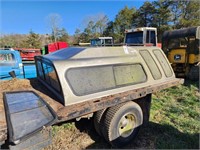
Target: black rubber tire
98	120
194	73
111	123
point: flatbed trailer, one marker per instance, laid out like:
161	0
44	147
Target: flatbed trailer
66	113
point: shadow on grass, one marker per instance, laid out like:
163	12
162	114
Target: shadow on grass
188	83
152	136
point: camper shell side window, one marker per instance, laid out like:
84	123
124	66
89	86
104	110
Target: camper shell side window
150	62
93	79
163	62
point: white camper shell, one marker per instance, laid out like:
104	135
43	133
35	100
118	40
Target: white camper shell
81	74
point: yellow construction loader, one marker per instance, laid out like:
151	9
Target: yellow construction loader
182	48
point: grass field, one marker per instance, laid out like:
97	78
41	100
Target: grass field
176	112
174	124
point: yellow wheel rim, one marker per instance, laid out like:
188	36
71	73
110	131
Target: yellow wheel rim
126	125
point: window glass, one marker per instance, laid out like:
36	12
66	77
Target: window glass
40	70
46	73
151	64
88	80
7	60
163	62
53	79
50	76
147	36
91	79
95	42
153	38
134	38
129	74
108	41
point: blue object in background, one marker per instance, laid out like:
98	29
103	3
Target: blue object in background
10	61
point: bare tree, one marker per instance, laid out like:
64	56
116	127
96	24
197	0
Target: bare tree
95	26
100	21
54	21
101	24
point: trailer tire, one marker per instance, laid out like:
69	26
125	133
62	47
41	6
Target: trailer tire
98	120
122	123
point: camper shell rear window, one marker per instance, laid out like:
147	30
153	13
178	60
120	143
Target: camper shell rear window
47	73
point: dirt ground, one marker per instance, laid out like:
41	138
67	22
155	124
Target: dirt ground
82	135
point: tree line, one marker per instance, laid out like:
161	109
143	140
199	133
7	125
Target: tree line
162	14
